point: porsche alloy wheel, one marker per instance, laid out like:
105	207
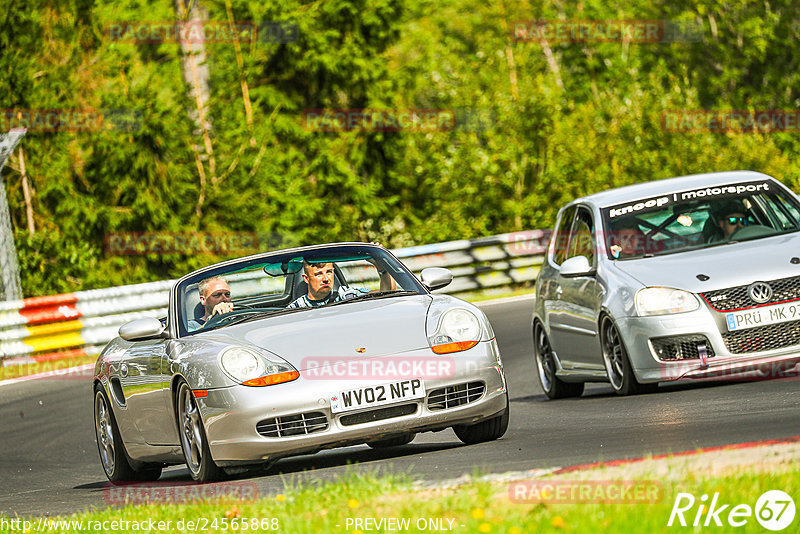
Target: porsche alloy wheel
193	437
553	387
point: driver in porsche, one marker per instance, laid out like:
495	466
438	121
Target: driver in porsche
320	276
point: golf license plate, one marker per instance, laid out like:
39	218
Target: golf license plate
377	395
763	316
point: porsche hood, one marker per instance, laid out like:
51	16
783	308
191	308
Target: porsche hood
358	329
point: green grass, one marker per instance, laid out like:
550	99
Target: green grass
473	507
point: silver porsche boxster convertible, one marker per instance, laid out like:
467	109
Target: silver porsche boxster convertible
292	352
690	277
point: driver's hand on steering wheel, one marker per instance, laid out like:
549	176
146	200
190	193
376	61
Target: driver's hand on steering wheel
221	308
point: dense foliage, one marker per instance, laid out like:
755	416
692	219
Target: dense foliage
537	123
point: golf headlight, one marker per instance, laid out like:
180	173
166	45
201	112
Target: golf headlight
458	330
664	300
249	368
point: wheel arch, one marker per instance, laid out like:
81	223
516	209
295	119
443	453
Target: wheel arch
173	395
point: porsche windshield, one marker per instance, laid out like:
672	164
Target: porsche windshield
290	283
698	218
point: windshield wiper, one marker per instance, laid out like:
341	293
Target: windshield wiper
266	313
377	295
242	316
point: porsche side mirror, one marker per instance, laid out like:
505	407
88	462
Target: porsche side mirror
436	277
144	328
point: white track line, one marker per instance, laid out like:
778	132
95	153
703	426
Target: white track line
505	300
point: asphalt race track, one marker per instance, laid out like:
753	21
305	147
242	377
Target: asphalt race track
49	462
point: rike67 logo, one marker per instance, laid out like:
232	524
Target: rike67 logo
774	510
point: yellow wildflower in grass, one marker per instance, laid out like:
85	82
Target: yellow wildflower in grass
477	513
485	527
352	503
280	497
558	522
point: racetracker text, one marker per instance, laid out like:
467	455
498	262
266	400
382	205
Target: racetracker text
199	524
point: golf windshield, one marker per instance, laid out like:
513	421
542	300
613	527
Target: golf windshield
698	218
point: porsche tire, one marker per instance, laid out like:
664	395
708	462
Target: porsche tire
395	441
194	442
488	430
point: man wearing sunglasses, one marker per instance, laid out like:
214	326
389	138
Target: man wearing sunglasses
730	217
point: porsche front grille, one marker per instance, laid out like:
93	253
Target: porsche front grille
774	336
736	298
293	425
452	396
683	347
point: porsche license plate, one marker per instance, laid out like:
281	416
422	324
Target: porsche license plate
780	313
378	395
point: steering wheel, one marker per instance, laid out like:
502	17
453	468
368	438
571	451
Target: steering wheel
753	230
217	319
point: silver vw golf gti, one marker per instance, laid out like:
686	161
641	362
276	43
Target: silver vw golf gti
690	277
292	352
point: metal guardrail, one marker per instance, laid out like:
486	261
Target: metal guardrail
81	323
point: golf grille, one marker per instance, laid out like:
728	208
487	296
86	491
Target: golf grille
293	425
452	396
681	347
737	298
378	415
774	336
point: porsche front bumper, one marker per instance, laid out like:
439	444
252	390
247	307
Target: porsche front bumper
234	415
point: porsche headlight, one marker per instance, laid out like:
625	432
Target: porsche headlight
664	300
249	368
458	330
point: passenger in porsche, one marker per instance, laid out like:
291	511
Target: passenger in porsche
215	296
